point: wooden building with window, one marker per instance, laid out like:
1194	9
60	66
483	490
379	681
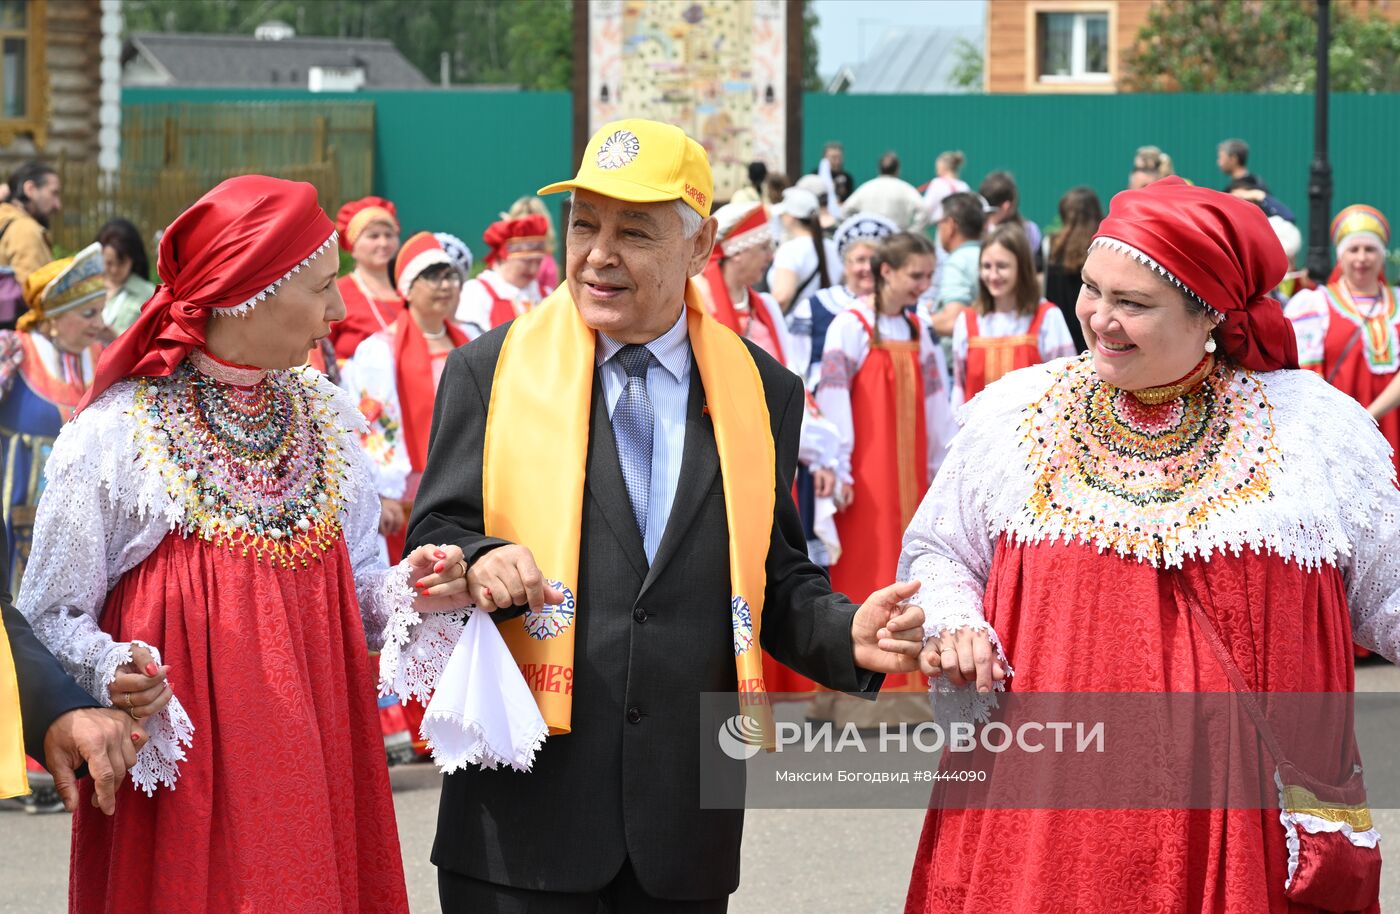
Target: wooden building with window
1079	45
53	86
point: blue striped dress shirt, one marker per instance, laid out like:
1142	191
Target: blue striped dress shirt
668	386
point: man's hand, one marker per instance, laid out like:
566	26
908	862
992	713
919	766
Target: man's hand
887	633
963	657
823	483
106	739
508	576
844	495
438	575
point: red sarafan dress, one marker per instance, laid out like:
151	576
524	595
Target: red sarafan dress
1056	524
226	516
887	394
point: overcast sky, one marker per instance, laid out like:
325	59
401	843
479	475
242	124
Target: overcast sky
849	29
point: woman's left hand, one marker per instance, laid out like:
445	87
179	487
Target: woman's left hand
438	574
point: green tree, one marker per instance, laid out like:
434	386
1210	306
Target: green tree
967	66
811	79
1258	46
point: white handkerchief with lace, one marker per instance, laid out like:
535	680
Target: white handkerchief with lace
482	712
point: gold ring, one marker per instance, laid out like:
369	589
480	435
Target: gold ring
463	563
127	695
134	717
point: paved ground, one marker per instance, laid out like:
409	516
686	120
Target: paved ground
795	861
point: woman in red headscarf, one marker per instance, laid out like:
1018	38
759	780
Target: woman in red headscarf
208	560
1174	511
509	286
369	230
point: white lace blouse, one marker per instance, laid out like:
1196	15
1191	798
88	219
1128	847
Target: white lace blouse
103	514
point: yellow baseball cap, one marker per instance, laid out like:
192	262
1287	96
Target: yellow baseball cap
643	161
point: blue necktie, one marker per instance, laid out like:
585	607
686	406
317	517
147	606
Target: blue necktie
632	422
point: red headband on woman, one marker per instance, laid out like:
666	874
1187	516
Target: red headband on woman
228	251
1218	249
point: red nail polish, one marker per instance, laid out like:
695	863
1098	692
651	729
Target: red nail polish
152	669
487	591
438	567
439	554
136	737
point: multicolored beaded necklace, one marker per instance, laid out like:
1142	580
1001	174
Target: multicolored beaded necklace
1136	477
251	457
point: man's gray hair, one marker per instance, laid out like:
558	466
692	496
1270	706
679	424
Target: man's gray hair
691	221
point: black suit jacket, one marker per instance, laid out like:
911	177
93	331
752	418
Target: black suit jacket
625	783
46	691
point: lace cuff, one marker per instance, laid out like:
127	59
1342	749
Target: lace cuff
384	597
964	702
169	732
416	647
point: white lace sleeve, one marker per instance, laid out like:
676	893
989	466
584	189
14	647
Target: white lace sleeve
949	545
1364	475
101	516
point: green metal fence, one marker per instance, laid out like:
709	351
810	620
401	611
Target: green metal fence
1051	143
451	160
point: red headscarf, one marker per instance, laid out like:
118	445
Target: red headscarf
1222	251
355	216
520	237
231	249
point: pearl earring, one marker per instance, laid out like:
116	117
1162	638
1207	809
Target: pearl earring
1210	344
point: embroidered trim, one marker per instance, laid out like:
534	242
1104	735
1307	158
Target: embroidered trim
238	375
1124	248
243	309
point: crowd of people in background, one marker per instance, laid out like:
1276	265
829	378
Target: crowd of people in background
895	303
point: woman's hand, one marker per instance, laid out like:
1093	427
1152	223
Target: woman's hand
438	574
963	657
391	519
140	688
823	483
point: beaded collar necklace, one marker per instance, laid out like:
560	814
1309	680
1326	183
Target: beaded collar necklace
256	467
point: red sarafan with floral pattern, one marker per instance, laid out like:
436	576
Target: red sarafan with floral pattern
1055	524
227	517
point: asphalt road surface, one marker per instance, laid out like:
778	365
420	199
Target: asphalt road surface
795	861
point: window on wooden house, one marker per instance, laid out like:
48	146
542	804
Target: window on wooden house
1072	47
22	97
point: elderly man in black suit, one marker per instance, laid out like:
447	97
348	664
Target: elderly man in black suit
63	726
610	816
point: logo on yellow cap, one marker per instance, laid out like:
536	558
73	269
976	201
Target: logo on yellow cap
618	150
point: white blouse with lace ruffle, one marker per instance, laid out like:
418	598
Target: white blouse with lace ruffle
103	515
